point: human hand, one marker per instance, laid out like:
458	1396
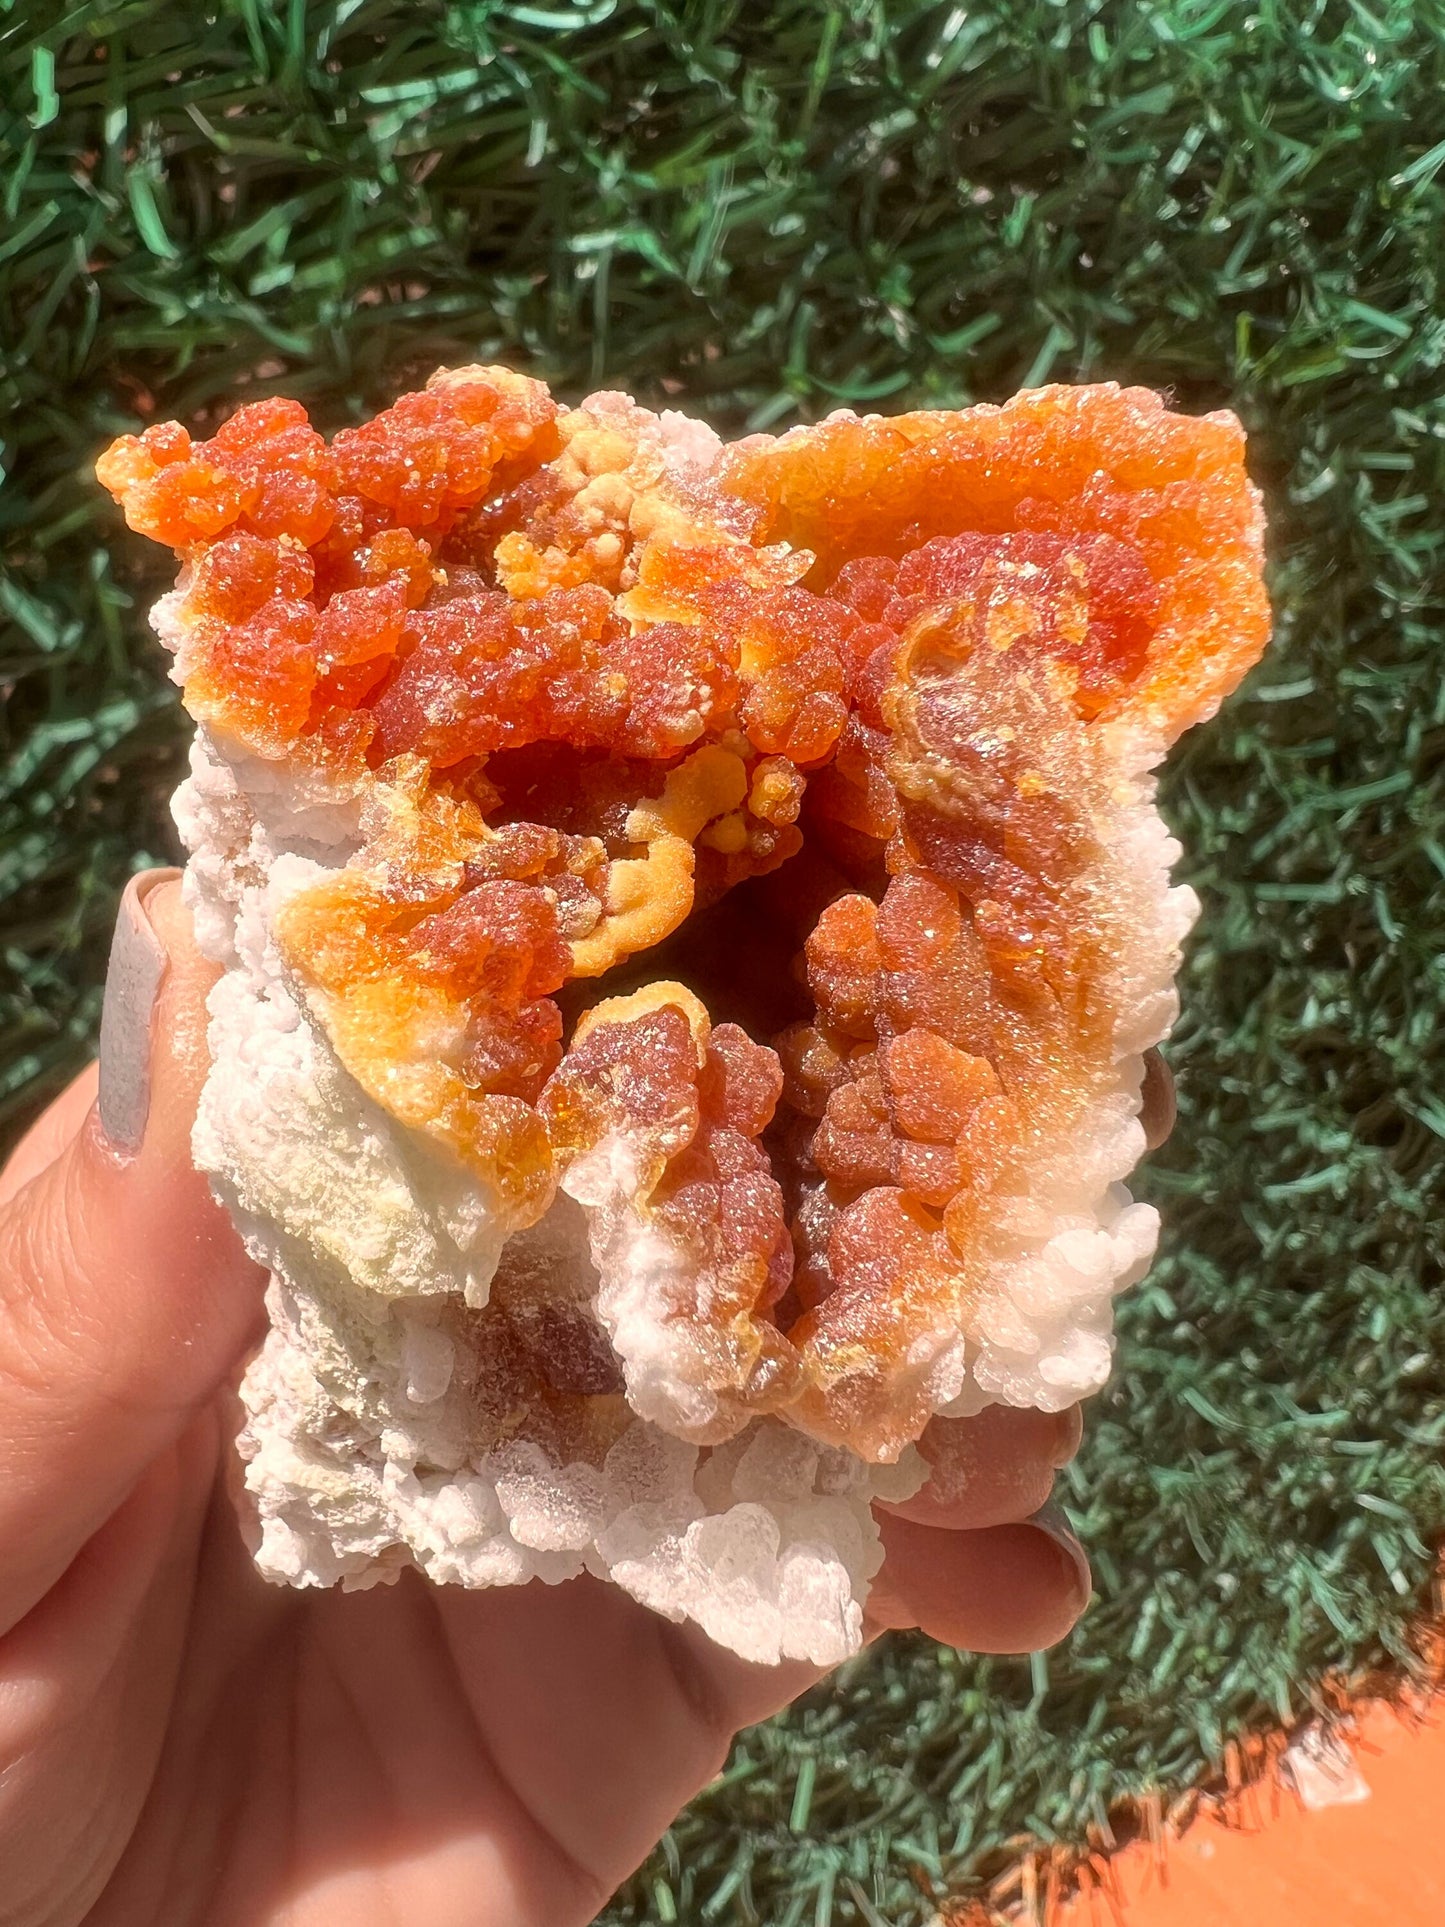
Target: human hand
181	1742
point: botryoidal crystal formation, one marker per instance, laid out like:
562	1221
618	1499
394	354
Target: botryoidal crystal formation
692	916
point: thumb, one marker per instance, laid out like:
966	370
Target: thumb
125	1296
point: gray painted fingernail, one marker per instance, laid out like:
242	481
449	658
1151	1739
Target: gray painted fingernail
1051	1519
132	982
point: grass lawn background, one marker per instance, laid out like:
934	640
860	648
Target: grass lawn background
767	211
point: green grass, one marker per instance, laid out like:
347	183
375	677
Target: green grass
773	209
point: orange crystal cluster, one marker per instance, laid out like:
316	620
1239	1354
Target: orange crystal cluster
583	675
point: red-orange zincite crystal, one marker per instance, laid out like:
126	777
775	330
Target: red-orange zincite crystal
583	675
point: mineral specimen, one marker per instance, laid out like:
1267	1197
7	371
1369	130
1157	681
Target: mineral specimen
692	918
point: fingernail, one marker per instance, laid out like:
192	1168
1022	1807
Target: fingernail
132	982
1051	1520
1157	1105
1070	1437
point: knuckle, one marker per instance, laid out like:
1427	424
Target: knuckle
50	1329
